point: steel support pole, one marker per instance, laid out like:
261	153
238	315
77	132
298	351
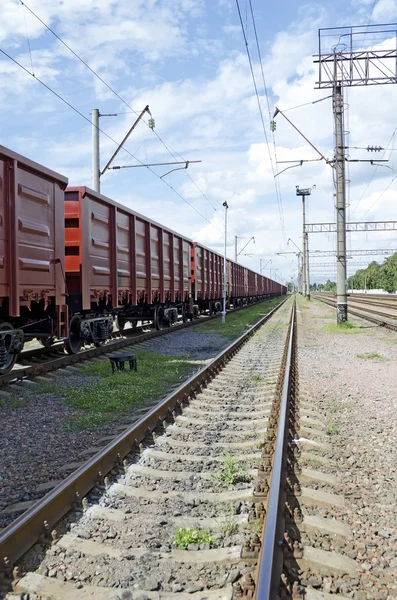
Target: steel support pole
307	267
304	258
235	248
341	297
224	269
95	151
260	266
300	269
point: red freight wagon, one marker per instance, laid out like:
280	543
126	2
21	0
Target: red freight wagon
32	283
118	260
252	283
207	278
236	283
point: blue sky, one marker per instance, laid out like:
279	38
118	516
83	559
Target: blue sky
187	60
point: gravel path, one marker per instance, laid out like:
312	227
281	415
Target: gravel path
356	398
36	446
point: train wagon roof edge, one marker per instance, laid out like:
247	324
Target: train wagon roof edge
34	166
87	190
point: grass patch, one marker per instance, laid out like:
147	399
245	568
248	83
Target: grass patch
345	327
256	378
111	395
47	387
255	526
312	463
370	355
14	403
239	321
185	536
233	471
250	436
332	429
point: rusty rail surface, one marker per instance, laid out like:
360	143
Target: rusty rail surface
64	360
279	435
38	520
362	315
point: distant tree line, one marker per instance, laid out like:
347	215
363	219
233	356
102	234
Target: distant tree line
375	277
329	286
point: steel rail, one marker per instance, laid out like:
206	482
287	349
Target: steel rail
63	360
361	315
25	530
269	545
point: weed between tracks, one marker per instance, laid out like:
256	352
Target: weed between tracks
370	355
106	397
233	471
186	535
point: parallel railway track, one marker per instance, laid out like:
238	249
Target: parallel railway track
365	312
242	404
41	360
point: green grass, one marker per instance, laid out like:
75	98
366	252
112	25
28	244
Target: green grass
332	429
255	526
239	321
250	436
345	327
47	387
256	378
370	355
13	403
111	396
185	536
312	463
233	471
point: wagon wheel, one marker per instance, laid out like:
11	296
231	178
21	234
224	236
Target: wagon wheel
9	360
121	322
159	320
74	341
46	342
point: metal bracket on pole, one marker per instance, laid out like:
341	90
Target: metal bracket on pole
146	109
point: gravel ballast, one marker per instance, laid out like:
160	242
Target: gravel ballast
36	440
351	376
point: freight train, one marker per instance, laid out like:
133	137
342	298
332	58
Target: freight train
72	261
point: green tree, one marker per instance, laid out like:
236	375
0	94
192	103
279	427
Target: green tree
330	286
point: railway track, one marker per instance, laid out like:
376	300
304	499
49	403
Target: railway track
175	506
40	360
354	309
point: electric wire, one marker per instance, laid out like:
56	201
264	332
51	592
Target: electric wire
28	39
77	111
114	92
374	172
306	103
261	116
379	197
276	181
369	21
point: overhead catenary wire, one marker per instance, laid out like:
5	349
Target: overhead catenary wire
374	173
262	121
28	39
77	111
24	5
276	182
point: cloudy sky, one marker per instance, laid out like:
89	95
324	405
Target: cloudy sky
186	59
